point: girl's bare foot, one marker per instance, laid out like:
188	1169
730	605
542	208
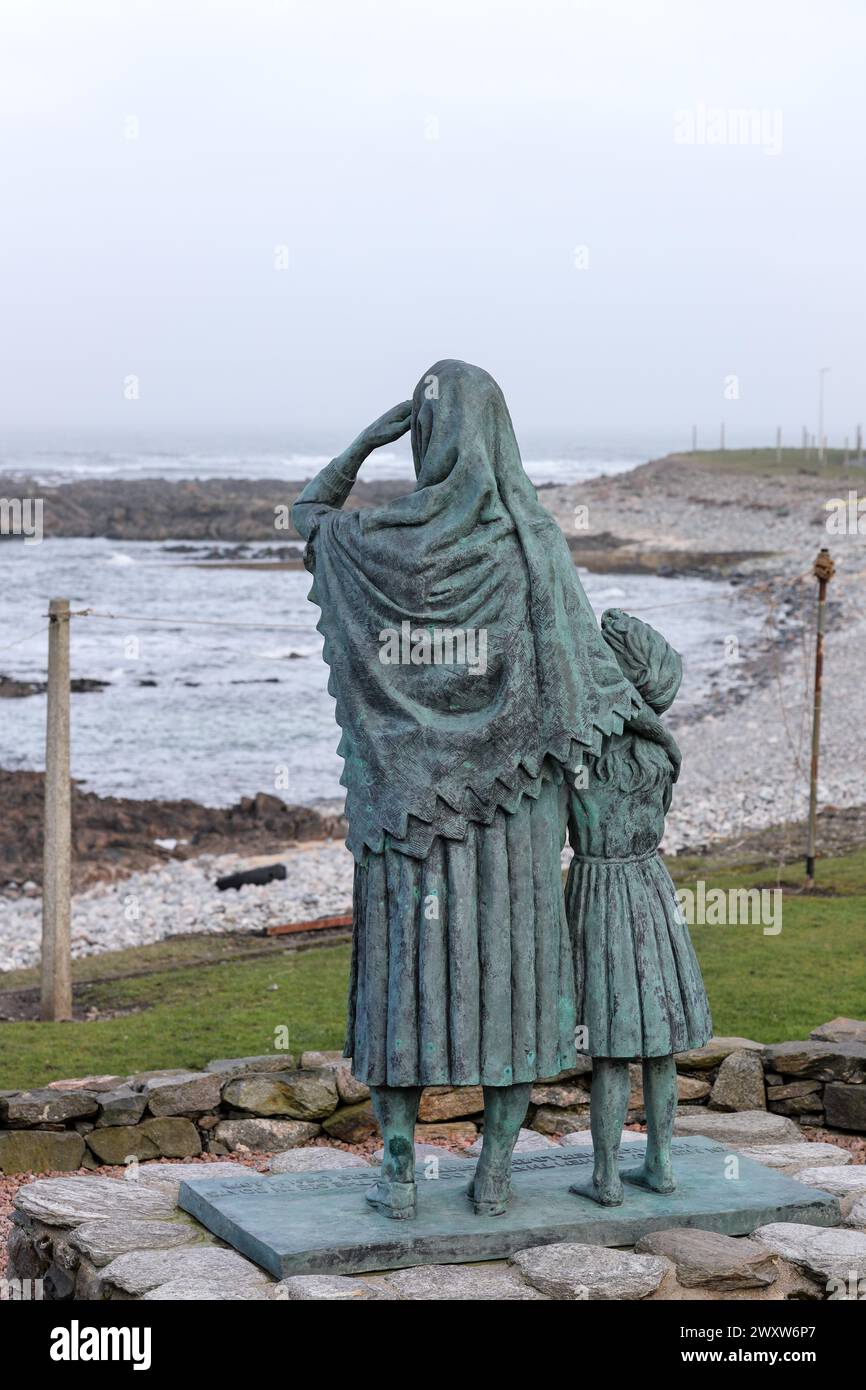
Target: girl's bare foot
604	1188
655	1175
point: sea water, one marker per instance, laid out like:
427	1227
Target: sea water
195	707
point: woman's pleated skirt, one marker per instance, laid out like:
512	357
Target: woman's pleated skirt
639	991
462	971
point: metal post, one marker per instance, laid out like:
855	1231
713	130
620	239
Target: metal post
694	439
722	437
778	443
56	966
823	570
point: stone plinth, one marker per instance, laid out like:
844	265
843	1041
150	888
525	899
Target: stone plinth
319	1223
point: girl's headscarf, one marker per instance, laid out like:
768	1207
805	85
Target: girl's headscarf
645	657
430	746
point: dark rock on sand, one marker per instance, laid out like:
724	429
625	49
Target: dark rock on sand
115	835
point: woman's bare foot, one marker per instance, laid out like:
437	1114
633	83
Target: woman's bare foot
489	1192
395	1199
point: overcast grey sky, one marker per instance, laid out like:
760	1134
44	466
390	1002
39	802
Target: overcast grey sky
529	186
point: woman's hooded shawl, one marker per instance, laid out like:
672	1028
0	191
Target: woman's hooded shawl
430	747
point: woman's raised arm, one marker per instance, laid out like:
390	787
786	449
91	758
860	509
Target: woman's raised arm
330	488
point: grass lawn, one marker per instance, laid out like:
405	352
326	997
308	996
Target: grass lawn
208	997
183	1015
774	988
834	467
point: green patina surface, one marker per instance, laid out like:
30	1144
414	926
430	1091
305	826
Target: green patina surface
319	1223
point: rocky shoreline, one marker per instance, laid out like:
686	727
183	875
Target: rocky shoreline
116	836
194	509
745	754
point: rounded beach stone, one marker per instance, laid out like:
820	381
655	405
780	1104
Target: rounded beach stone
300	1095
450	1102
229	1067
139	1271
593	1272
822	1061
192	1288
740	1083
331	1288
46	1106
102	1241
710	1260
70	1201
528	1141
713	1053
842	1182
827	1252
857	1215
584	1138
744	1127
264	1136
314	1160
169	1176
551	1120
190	1093
40	1151
790	1158
468	1283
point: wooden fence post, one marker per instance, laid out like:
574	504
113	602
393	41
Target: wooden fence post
56	913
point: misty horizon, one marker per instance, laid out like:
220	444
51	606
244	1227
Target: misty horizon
265	222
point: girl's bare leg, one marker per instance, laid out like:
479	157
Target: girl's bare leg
660	1099
610	1089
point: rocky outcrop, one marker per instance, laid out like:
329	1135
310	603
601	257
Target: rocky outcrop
116	835
193	509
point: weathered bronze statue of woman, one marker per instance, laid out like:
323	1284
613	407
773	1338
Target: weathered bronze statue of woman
462	969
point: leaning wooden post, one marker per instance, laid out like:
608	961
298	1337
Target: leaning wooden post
823	570
56	967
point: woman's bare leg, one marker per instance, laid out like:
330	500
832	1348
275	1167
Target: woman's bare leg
504	1112
396	1109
